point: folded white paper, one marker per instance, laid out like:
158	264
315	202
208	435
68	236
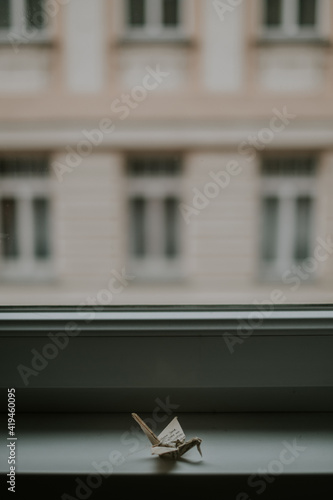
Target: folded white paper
171	443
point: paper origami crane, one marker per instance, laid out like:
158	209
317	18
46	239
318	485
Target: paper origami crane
171	442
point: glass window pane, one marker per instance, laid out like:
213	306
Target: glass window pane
303	227
136	12
269	234
307	12
136	167
171	212
170	12
4	14
9	239
273	12
154	166
137	226
143	198
23	167
35	14
289	166
41	213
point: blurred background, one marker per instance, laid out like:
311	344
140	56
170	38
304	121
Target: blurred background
166	152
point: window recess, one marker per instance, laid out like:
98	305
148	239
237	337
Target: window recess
292	19
154	19
287	213
154	239
24	21
26	218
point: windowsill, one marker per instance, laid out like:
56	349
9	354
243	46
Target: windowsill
270	274
13	273
282	279
147	271
265	40
28	41
172	275
153	40
234	443
275	387
244	455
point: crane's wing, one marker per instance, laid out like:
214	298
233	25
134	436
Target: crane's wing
173	434
149	433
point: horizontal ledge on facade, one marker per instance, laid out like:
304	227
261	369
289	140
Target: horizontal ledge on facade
276	40
19	45
138	135
128	41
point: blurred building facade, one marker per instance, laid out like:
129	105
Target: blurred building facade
164	151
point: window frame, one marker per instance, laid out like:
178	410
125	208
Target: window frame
290	28
26	267
287	190
140	351
18	32
153	29
155	189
